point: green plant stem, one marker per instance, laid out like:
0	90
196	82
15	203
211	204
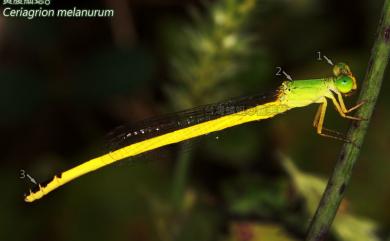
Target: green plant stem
180	177
341	175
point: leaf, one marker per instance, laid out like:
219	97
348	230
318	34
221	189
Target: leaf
347	226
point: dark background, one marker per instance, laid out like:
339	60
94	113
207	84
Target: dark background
66	83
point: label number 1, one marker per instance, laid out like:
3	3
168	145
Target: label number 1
319	56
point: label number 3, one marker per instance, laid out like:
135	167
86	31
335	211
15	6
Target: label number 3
22	174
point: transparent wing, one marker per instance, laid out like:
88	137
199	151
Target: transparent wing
128	134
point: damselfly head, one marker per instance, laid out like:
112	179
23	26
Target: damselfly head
344	81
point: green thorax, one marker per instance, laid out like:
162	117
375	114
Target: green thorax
299	93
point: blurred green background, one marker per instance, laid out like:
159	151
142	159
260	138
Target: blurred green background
65	83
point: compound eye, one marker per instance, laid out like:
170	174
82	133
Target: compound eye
344	84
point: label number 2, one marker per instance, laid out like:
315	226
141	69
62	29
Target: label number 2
278	71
